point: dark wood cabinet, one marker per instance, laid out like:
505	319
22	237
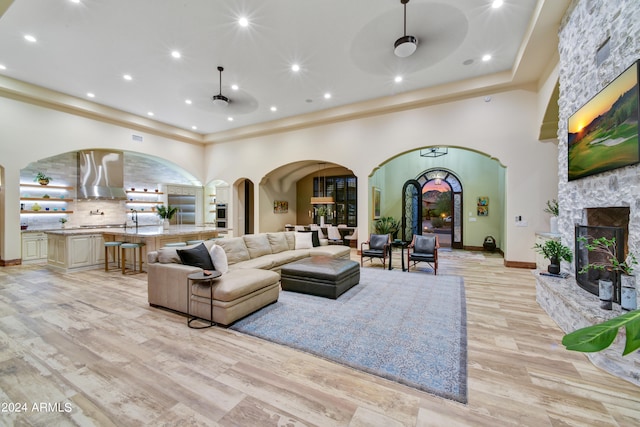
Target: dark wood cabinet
344	190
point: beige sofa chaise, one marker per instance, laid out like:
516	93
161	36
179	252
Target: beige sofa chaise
252	279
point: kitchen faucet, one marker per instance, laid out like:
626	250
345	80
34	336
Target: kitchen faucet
134	218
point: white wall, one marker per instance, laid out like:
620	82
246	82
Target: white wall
505	128
29	133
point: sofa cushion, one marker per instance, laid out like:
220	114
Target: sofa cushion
219	259
237	284
235	249
291	239
278	242
197	257
303	240
257	245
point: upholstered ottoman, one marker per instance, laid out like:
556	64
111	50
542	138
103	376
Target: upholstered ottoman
321	276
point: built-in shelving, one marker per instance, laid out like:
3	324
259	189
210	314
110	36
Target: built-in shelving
44	187
143	192
46	199
45	212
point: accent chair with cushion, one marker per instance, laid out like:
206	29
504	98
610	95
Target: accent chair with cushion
423	248
378	246
335	238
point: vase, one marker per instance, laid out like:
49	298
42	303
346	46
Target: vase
554	266
605	293
321	221
628	294
553	224
43	181
166	224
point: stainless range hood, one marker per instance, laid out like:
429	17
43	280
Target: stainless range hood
101	175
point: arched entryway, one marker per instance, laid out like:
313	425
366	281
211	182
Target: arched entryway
441	211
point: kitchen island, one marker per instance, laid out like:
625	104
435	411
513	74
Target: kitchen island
83	248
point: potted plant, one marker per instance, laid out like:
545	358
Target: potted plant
613	266
555	252
321	212
166	213
387	225
553	209
63	221
42	178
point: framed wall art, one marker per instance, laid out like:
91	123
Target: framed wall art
280	206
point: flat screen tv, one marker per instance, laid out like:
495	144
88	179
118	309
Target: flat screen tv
603	134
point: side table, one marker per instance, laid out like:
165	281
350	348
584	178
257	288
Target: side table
399	244
200	277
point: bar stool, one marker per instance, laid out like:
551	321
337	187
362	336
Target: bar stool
116	252
194	242
175	245
133	246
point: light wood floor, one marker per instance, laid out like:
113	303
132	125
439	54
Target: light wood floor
89	343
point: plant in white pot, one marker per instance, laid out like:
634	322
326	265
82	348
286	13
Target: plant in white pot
166	213
613	266
555	252
553	209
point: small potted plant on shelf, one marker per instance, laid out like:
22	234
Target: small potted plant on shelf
166	213
613	266
42	178
553	209
555	252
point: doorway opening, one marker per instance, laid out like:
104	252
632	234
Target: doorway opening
442	206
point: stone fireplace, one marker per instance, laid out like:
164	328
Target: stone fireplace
610	198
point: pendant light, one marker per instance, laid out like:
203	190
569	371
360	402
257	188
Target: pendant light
322	200
405	45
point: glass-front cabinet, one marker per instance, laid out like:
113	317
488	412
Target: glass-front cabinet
344	190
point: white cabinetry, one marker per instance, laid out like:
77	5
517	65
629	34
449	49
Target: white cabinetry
77	251
34	247
85	250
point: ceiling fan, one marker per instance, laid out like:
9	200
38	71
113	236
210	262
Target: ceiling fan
219	99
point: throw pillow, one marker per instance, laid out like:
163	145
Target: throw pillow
303	240
219	258
196	257
315	240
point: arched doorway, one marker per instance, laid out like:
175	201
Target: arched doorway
244	223
442	196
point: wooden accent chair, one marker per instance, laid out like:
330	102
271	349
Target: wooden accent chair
378	246
423	248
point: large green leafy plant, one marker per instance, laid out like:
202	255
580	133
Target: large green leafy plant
554	250
598	337
386	225
166	212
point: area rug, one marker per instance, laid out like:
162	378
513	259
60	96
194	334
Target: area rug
406	327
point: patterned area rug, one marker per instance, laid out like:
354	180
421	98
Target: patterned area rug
406	327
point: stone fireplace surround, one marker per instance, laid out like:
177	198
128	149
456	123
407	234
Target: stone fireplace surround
586	26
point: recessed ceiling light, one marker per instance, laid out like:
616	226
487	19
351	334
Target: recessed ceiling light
327	95
176	54
486	58
230	119
187	101
127	77
398	79
234	87
244	22
30	38
295	67
496	4
91	94
274	108
194	127
150	114
2	67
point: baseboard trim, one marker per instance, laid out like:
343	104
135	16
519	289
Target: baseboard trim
6	263
520	264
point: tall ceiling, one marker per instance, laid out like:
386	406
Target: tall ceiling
343	48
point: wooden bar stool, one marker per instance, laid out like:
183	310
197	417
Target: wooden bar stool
123	260
116	252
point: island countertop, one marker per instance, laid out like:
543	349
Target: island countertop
143	231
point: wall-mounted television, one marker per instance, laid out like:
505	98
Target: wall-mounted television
603	134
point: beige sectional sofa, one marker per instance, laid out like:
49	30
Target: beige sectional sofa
251	282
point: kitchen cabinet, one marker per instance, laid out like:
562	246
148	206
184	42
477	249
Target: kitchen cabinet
34	247
76	251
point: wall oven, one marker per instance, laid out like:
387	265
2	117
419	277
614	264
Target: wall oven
221	215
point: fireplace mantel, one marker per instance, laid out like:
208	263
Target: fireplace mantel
571	307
